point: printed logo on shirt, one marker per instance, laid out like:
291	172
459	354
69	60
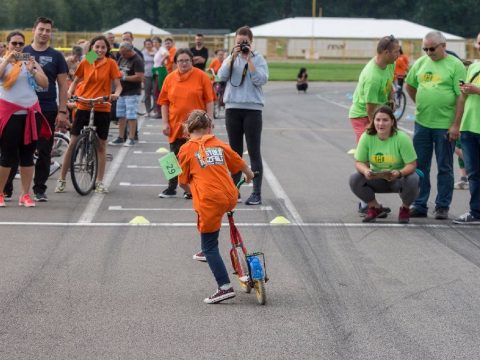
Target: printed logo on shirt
388	87
214	157
380	158
43	61
430	79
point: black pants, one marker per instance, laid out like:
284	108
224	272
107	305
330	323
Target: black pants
42	166
175	148
241	122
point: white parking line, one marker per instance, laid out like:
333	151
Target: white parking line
191	224
408	131
280	193
121	208
124	183
142	167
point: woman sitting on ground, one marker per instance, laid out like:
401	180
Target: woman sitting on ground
385	163
302	80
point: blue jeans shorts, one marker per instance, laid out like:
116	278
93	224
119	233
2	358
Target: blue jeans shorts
127	107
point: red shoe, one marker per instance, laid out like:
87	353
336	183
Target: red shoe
26	200
373	213
2	200
404	215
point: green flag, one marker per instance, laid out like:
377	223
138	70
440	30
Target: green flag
170	165
91	56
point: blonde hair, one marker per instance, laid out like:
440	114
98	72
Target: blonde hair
197	120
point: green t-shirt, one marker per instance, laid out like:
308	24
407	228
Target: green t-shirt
390	154
471	113
374	86
437	84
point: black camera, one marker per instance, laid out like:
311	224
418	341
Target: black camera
245	47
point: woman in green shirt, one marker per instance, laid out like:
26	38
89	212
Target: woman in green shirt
385	163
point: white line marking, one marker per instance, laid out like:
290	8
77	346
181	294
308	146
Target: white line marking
187	224
140	152
280	193
152	142
125	183
143	167
121	208
96	200
140	185
408	131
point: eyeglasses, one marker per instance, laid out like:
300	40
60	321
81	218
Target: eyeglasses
184	61
431	49
17	43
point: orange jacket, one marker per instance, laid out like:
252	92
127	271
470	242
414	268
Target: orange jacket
184	93
97	81
206	164
401	66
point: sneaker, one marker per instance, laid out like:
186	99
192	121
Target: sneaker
220	295
461	185
416	213
101	188
2	203
7	197
61	184
187	195
239	198
363	210
254	199
441	213
466	218
40	197
200	256
26	200
117	142
404	215
129	142
373	213
167	193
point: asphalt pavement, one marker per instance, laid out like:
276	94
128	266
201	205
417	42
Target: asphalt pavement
79	281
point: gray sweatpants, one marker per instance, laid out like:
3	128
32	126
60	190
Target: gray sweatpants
365	190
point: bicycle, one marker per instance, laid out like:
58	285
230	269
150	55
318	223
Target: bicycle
250	269
400	102
84	160
218	89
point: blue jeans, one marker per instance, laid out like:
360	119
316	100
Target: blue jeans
471	157
426	141
214	260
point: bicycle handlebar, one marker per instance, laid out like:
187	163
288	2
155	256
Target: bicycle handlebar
100	99
242	181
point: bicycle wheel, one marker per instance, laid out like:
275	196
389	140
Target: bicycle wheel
400	104
241	269
84	165
260	291
60	145
216	109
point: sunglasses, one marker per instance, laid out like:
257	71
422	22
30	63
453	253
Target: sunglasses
17	43
431	49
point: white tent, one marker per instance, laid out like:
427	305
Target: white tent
344	28
138	27
345	38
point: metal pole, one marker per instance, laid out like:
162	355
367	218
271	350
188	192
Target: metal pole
314	6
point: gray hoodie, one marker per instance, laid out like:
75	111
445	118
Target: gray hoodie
249	95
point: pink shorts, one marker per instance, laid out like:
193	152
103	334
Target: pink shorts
359	125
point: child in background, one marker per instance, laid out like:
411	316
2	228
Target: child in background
302	80
206	164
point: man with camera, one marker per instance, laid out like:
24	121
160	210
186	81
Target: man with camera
245	71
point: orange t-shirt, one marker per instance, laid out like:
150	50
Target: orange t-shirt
206	166
184	93
215	64
401	66
97	81
171	55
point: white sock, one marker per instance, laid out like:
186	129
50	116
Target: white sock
225	286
